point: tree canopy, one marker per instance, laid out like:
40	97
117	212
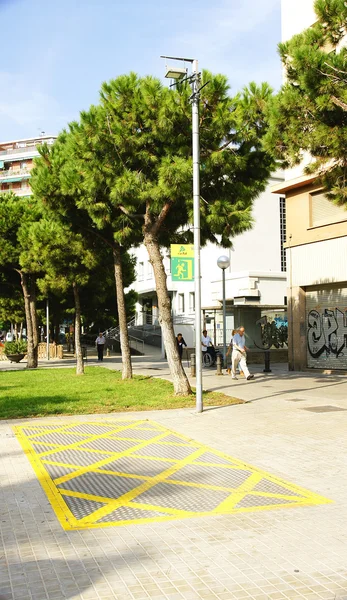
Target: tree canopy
124	171
310	112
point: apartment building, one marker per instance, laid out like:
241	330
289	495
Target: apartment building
16	162
316	252
256	280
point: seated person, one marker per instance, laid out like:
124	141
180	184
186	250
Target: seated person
207	345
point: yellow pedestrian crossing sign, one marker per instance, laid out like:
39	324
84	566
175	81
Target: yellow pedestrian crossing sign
182	262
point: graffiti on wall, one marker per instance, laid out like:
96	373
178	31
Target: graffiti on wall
327	332
273	333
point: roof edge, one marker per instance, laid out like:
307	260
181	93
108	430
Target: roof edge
292	184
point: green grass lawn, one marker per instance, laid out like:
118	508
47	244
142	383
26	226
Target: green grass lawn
61	392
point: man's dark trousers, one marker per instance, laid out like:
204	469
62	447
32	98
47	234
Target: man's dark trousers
100	351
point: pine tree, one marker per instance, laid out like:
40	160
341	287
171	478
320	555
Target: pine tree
150	132
63	260
310	111
11	301
15	214
58	181
90	173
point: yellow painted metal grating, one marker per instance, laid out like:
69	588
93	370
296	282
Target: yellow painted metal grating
125	472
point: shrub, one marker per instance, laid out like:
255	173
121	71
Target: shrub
16	347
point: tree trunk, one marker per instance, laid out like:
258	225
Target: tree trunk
127	370
34	324
78	347
30	340
179	378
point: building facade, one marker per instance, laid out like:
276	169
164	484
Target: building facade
316	252
16	162
255	281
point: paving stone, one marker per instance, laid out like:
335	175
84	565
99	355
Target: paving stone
228	553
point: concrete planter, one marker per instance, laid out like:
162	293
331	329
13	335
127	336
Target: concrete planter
16	358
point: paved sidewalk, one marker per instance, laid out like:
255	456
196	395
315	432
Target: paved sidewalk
285	429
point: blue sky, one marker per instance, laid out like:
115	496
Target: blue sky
55	55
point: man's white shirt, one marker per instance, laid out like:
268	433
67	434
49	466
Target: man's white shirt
239	341
207	341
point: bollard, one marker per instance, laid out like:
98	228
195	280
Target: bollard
219	365
108	352
267	362
192	365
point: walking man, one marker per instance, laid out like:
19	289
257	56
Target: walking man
239	355
180	343
230	351
100	344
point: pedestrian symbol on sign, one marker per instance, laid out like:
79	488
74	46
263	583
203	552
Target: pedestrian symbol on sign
184	269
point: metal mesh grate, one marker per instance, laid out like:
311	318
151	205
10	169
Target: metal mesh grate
149	425
213	458
29	431
273	488
136	433
126	513
75	457
175	439
96	484
182	497
58	438
230	478
253	501
137	466
81	507
162	451
41	447
95	428
56	471
109	445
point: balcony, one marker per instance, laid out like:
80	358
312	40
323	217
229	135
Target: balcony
24	150
19	151
14	175
23	191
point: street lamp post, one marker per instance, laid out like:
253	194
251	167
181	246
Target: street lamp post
194	79
47	328
223	262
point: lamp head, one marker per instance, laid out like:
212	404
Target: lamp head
223	262
175	73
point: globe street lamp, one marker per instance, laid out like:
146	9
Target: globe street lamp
223	262
180	75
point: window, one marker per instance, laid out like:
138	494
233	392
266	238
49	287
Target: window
324	212
191	301
181	303
283	233
149	270
141	271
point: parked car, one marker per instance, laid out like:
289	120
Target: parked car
9	336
